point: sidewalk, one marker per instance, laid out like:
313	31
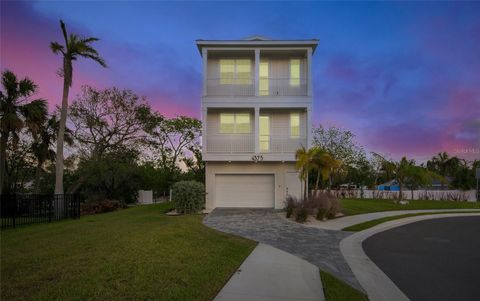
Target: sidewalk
347	221
271	274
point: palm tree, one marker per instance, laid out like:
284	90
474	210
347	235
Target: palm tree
324	164
303	164
42	145
17	112
75	46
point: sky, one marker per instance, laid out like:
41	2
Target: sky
404	77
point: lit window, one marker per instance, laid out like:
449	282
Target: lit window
294	125
238	123
227	123
264	133
242	123
295	72
243	72
235	71
263	83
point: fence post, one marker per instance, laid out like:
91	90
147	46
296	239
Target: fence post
50	209
14	210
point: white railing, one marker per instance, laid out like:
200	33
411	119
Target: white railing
230	143
282	86
267	86
282	144
230	87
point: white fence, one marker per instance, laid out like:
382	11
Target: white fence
440	195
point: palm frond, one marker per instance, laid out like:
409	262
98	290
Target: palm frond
56	48
26	87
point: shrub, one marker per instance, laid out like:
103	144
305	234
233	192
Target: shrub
321	213
94	207
326	205
188	196
301	214
290	205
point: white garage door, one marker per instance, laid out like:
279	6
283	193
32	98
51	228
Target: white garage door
248	190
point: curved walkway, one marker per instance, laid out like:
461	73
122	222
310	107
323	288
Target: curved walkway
317	246
347	221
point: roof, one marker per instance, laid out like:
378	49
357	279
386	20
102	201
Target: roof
256	40
390	183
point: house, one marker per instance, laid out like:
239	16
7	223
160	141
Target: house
256	112
391	185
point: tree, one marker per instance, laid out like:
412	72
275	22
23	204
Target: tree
17	111
43	143
304	160
104	120
75	47
173	138
445	165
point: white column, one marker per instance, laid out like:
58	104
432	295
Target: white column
309	72
309	127
205	75
257	137
257	70
204	130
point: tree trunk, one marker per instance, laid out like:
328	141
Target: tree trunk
305	187
3	162
318	180
400	196
36	186
61	131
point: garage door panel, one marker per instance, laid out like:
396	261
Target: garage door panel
246	190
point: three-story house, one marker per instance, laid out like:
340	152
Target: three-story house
256	112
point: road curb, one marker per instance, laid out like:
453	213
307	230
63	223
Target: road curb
373	280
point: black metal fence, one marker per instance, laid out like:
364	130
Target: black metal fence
24	209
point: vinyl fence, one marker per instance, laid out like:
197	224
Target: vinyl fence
440	195
24	209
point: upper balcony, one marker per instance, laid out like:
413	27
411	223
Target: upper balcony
257	67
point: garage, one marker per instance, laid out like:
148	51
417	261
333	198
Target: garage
245	190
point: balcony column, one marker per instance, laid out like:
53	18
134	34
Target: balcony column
309	72
257	132
309	127
205	75
204	130
257	71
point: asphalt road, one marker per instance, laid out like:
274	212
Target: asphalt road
435	259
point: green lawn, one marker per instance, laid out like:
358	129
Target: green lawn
359	206
133	254
372	223
337	290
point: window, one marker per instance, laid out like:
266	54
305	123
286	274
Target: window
263	82
235	123
295	72
264	133
294	125
235	71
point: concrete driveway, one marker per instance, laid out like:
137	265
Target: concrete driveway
317	246
435	259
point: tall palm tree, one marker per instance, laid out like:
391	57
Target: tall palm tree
42	145
303	164
17	112
75	47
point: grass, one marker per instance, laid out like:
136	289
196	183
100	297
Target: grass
133	254
372	223
360	206
337	290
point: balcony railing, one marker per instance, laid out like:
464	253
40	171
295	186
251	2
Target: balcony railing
230	87
267	86
230	143
245	143
282	144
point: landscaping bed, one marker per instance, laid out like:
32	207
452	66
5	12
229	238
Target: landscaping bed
134	254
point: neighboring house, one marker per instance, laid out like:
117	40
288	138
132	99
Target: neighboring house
256	112
391	185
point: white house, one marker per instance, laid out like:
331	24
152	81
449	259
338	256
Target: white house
256	112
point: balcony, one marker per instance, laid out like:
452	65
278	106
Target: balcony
266	87
245	143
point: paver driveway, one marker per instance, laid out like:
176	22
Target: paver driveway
317	246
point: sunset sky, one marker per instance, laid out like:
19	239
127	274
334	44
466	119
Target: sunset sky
404	77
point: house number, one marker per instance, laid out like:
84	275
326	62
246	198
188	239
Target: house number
257	158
